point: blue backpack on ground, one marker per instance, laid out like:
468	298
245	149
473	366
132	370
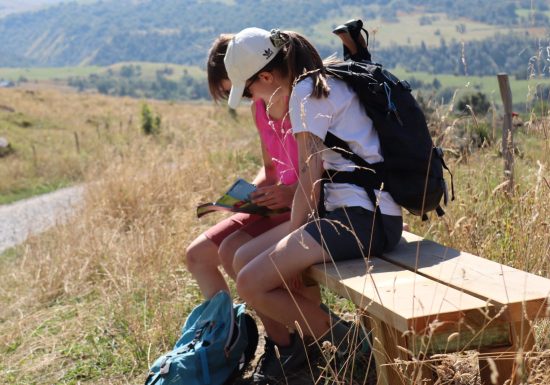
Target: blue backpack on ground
218	340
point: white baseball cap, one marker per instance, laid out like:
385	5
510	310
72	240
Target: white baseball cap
247	53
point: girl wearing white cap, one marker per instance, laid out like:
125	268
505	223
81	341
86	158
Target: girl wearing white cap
349	229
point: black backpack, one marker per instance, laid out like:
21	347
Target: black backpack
412	170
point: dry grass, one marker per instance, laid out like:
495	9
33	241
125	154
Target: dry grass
97	299
102	295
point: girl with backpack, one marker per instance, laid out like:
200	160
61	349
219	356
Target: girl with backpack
349	228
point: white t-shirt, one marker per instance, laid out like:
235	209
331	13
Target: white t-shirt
340	113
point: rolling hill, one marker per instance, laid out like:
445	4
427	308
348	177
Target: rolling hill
174	31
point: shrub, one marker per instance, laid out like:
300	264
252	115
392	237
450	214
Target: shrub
477	101
150	124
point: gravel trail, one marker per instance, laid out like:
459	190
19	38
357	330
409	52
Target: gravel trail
20	219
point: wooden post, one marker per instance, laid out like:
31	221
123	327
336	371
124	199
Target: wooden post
77	142
34	157
494	122
507	133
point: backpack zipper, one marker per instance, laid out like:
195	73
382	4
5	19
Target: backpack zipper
228	347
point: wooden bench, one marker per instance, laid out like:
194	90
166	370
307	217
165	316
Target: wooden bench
423	299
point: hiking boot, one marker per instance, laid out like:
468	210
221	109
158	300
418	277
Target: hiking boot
290	366
354	355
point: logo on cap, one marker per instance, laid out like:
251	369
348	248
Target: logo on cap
267	53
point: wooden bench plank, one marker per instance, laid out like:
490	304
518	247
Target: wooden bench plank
412	312
523	293
403	299
425	298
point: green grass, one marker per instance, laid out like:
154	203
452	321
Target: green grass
388	33
34	189
148	71
47	73
431	34
526	12
10	255
522	90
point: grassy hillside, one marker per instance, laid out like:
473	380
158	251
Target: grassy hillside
440	26
97	299
57	137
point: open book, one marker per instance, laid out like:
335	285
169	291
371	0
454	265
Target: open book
237	200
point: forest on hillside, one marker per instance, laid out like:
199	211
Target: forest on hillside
174	31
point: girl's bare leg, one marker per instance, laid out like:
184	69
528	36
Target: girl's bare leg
276	331
265	282
202	261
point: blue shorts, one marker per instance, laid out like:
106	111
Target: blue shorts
353	232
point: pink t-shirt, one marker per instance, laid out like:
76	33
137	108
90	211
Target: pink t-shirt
279	142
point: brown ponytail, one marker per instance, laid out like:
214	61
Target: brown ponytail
299	59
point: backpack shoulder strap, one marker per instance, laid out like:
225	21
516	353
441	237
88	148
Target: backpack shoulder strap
367	175
342	147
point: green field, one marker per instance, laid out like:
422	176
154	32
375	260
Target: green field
522	90
527	13
48	73
148	70
385	33
61	73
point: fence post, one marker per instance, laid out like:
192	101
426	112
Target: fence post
77	142
507	133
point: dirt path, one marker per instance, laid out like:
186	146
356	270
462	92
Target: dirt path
31	216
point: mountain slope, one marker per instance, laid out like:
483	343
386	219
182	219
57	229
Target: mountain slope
10	6
177	31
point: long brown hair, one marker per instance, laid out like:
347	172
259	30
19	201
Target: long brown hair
298	59
215	67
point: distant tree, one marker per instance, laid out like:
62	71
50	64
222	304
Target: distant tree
127	71
445	95
105	85
461	28
415	83
425	20
477	101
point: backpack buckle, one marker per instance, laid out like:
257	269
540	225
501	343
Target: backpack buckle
165	367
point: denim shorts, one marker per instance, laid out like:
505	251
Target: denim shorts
353	232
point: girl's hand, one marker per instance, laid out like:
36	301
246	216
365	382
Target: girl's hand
273	197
